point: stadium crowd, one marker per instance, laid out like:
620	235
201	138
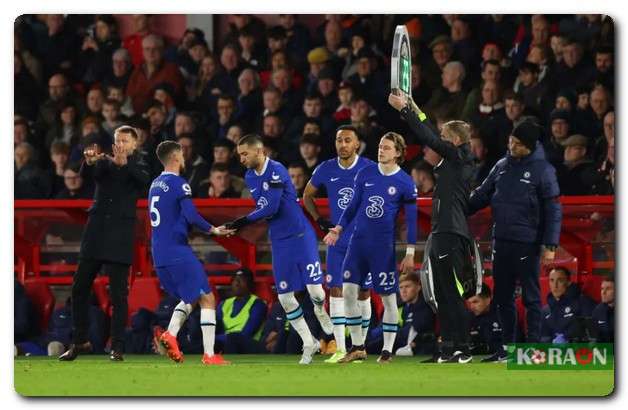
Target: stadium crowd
76	79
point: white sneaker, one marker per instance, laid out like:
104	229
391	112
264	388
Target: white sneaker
404	351
309	351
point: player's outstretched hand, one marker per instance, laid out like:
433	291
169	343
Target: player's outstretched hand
324	224
397	100
407	264
221	231
332	236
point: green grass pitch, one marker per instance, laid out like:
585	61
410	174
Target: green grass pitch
280	375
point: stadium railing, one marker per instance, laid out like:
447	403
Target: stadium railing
47	238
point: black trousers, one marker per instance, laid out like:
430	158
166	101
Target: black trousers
448	255
512	262
118	292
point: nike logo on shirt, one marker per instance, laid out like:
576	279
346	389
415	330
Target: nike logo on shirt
253	189
334	179
525	257
367	184
442	256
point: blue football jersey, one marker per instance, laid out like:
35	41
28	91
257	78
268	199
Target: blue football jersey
338	182
276	201
376	202
171	214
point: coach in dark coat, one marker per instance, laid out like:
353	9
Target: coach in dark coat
107	241
523	193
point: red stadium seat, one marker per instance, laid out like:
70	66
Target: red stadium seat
42	298
102	293
545	289
264	291
488	280
145	293
378	312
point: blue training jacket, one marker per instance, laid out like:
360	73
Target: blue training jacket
523	194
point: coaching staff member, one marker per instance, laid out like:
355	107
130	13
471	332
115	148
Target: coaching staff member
451	241
523	193
107	241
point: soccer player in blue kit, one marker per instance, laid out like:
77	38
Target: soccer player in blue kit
337	176
380	191
180	273
294	248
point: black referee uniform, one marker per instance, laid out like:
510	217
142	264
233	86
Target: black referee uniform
107	245
450	239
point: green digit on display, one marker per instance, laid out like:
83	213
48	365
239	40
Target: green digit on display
405	75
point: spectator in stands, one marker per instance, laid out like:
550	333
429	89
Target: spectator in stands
442	51
59	47
560	130
297	35
196	168
416	319
30	182
449	98
334	45
196	51
273	104
481	162
250	53
534	92
491	71
111	116
66	128
327	90
604	151
604	313
75	187
59	154
185	123
420	91
153	71
164	93
577	175
219	184
464	46
312	110
523	193
368	130
101	41
226	117
181	53
515	108
489	119
134	42
600	103
89	126
345	98
318	59
565	304
485	327
27	92
239	22
249	101
231	63
223	152
292	98
210	83
234	133
239	318
94	101
605	66
423	178
574	70
59	93
367	82
121	69
310	149
277	41
299	177
157	115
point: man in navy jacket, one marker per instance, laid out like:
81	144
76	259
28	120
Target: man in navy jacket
523	193
604	313
565	306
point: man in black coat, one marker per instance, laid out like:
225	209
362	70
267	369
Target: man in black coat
107	241
451	240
